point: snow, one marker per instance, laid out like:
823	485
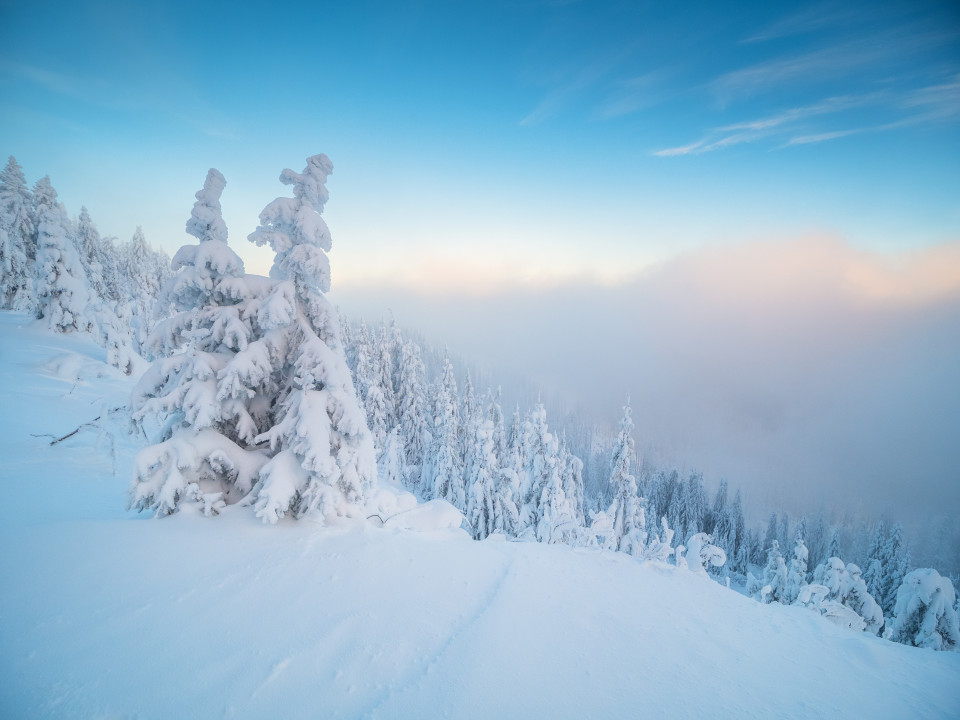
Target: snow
105	613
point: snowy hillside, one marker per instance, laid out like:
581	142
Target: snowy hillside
105	613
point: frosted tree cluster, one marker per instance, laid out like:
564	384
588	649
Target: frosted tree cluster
252	378
64	273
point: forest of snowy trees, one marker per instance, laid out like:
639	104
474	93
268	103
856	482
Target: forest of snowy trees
258	393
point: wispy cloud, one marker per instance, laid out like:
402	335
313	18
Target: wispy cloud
765	127
869	55
805	21
633	94
926	105
822	137
98	92
827	62
72	86
582	81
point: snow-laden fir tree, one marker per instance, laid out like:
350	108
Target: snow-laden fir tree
143	278
773	584
771	534
17	244
626	511
62	290
411	408
93	252
783	531
442	475
677	512
735	540
540	453
572	481
797	570
382	361
718	519
205	451
696	503
495	416
925	614
323	456
556	522
482	506
833	548
661	493
895	563
393	462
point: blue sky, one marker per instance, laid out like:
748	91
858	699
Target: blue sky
550	139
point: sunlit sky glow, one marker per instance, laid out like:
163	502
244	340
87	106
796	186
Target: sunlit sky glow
518	142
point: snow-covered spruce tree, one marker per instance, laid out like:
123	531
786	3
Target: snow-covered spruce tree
17	245
771	534
92	252
495	415
393	463
323	457
556	522
895	562
572	481
481	484
540	455
773	584
696	503
925	614
718	518
411	409
797	570
626	512
204	454
833	548
677	512
443	470
62	289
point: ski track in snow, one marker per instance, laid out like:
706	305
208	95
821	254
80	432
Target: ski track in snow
456	634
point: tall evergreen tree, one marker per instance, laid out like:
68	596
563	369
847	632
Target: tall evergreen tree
62	289
626	511
206	451
411	407
17	243
323	457
481	484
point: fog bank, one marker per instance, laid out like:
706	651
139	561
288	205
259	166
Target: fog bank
807	372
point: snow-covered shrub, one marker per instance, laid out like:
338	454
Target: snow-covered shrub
837	585
925	615
702	553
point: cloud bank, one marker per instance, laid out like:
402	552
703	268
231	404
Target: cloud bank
808	372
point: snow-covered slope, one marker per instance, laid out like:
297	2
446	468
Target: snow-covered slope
107	614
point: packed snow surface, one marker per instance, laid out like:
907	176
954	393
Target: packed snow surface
105	613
